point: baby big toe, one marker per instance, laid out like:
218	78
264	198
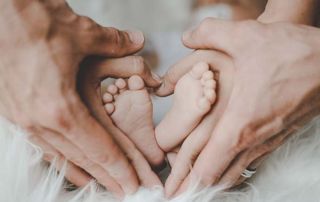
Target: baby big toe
135	83
198	70
109	108
210	94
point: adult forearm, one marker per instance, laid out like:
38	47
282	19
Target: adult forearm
297	11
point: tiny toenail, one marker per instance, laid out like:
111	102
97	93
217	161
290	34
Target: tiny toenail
109	108
210	95
121	83
107	97
112	89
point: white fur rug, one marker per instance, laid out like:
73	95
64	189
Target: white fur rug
291	174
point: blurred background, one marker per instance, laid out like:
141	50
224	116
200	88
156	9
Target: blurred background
163	22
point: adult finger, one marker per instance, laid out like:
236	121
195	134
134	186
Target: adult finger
75	155
252	166
73	173
107	41
125	68
221	149
212	34
187	154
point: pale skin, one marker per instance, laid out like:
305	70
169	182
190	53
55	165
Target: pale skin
42	46
129	105
261	119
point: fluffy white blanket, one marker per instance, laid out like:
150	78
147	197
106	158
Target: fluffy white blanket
290	174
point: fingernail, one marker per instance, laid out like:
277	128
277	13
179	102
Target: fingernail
136	37
156	77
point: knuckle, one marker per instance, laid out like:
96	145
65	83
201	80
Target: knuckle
106	158
134	155
263	149
86	164
58	116
229	179
250	30
116	39
245	139
27	124
86	23
116	36
82	161
204	25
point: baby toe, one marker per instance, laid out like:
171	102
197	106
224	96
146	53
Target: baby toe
112	89
207	75
210	84
135	83
204	104
107	97
109	108
121	84
210	95
198	70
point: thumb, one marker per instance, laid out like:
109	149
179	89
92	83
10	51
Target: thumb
212	34
114	43
107	41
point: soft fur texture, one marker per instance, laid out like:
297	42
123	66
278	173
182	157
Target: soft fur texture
290	174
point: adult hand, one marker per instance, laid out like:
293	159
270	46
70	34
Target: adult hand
42	44
276	90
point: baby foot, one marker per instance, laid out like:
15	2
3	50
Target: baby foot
129	106
193	96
